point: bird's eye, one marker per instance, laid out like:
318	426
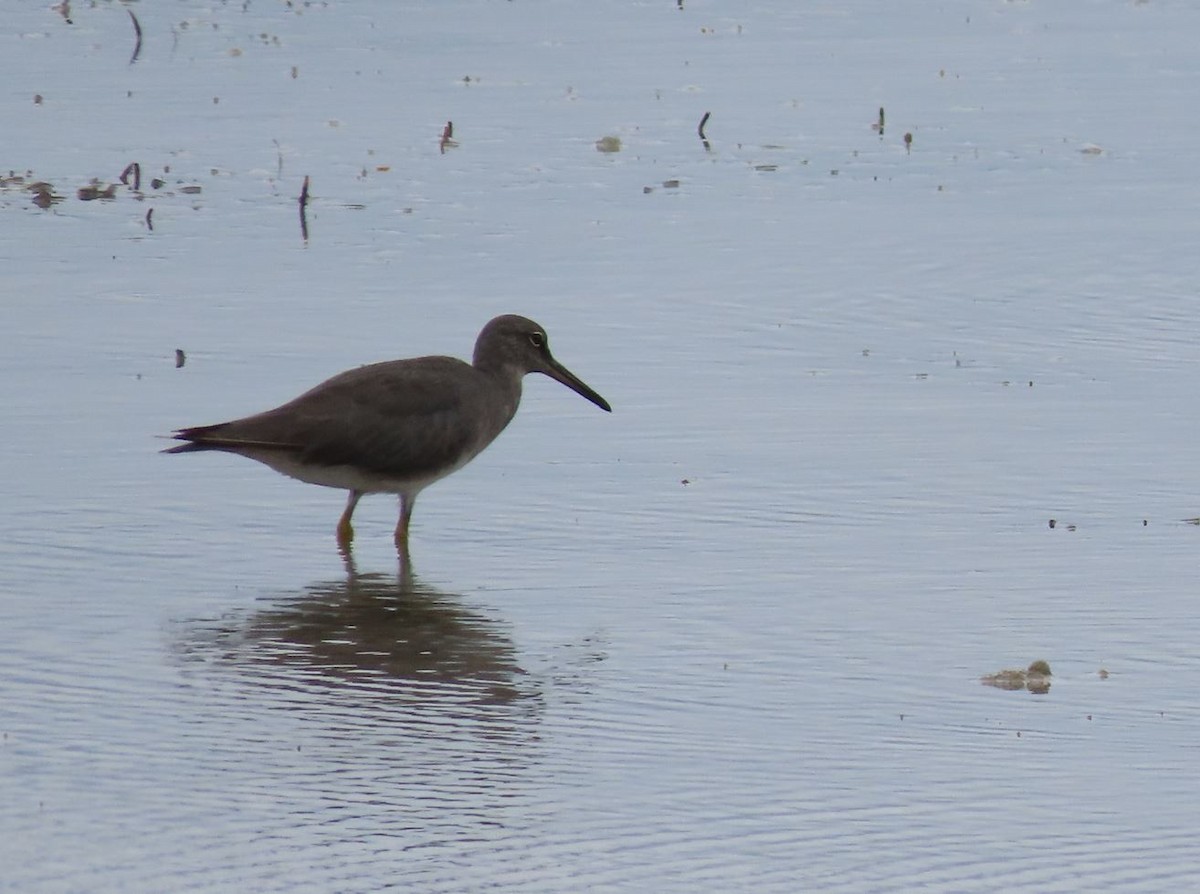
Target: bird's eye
537	339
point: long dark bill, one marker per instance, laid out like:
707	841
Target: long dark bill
560	373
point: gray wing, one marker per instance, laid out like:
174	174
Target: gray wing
403	417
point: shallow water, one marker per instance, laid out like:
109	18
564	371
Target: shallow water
728	637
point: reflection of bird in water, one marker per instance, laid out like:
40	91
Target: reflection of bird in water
370	634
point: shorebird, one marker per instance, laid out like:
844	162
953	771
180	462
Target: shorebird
398	426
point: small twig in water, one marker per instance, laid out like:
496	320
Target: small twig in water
703	121
150	219
447	138
304	210
137	32
136	170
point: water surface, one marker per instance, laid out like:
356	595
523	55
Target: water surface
729	637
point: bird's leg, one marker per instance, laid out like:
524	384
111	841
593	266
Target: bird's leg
351	567
345	531
406	509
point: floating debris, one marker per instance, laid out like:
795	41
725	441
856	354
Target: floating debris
137	35
448	141
134	170
1035	678
94	191
180	358
908	142
43	194
304	210
608	144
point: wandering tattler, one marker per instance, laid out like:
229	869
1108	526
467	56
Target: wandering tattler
395	427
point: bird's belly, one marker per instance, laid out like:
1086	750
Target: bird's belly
346	477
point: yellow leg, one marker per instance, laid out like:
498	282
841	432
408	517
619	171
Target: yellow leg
345	531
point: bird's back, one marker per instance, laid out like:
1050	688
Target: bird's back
400	419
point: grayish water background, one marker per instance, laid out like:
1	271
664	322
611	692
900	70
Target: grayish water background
605	678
